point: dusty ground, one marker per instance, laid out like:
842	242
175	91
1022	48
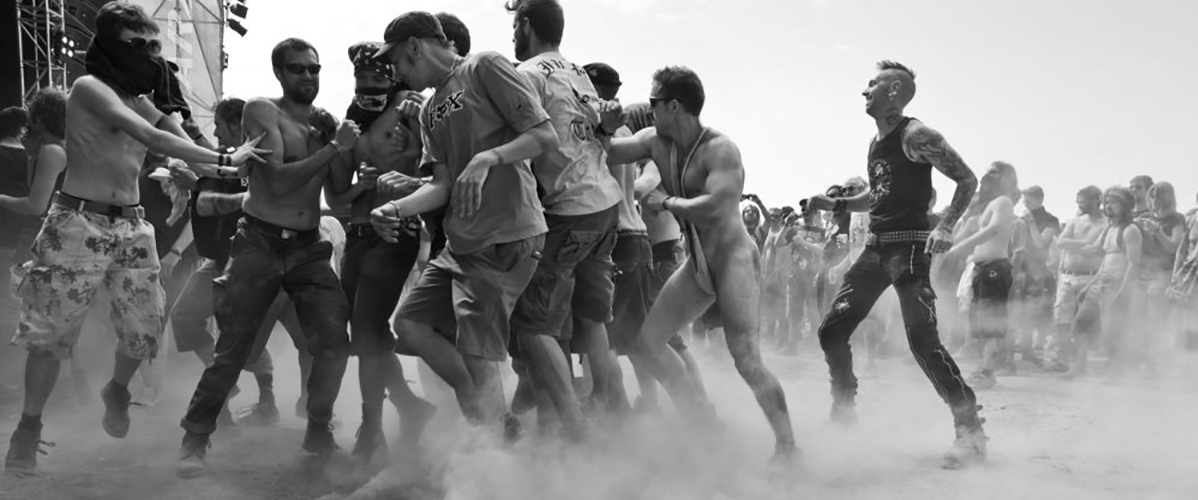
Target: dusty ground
1050	439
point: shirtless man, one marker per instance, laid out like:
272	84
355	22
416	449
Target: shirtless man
703	180
1139	186
901	159
1076	270
989	250
1105	302
373	271
479	128
278	246
95	236
570	297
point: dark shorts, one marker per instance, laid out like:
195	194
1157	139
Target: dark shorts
574	276
634	281
668	256
469	298
373	273
992	282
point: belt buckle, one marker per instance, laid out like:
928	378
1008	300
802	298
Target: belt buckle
116	211
871	239
287	234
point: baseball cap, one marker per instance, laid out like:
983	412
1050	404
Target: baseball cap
416	24
1034	191
602	74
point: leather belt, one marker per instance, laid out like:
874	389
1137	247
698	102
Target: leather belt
874	239
129	212
280	231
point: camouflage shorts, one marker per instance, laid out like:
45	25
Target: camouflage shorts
75	254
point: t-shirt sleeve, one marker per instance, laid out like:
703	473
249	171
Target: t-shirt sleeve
432	152
511	93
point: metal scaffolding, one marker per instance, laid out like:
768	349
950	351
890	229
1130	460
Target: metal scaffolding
40	22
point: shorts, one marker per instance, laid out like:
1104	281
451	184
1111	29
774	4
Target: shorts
469	298
991	286
1097	309
632	257
75	254
573	277
1069	290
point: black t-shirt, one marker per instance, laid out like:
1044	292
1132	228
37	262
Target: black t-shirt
157	205
1155	257
214	232
14	181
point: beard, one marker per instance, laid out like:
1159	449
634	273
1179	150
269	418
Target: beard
521	48
301	95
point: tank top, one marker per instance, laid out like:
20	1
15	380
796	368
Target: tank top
900	189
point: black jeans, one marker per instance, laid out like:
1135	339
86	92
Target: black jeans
264	259
904	266
373	273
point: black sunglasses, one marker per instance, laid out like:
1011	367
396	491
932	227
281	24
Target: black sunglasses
298	69
150	46
654	100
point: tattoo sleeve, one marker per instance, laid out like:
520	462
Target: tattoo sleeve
924	144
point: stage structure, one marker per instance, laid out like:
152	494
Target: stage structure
42	45
192	35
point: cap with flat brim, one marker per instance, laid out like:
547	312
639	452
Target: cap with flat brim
414	24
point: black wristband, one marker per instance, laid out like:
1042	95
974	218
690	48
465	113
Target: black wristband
222	160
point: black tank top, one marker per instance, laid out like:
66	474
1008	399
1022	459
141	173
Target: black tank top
900	189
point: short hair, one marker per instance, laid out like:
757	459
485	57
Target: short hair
1164	194
1090	192
887	64
545	17
12	120
682	84
48	107
290	44
1142	179
456	31
229	110
116	16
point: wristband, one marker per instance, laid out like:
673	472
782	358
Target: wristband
398	209
223	160
176	252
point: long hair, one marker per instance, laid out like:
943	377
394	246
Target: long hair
987	191
1126	199
1162	197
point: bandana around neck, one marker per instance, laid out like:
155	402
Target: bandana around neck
136	72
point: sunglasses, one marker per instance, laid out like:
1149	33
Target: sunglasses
299	69
150	46
654	100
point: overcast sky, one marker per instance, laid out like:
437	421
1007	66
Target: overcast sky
1072	92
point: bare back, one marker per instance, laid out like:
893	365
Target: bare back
292	140
1087	228
711	172
102	161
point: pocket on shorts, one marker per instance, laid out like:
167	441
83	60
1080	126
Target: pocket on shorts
18	273
506	256
580	244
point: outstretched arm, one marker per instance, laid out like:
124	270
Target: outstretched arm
631	149
924	144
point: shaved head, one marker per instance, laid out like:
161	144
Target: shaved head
898	79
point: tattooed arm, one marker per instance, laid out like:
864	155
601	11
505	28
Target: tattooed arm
923	144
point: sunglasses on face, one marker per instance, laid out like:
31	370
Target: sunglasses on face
653	101
150	46
299	69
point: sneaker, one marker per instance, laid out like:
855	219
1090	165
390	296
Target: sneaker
844	414
968	449
982	381
116	410
191	456
370	442
318	440
260	414
23	449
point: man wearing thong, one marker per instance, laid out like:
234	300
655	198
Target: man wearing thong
898	252
573	281
479	129
278	247
1076	270
704	179
94	235
373	271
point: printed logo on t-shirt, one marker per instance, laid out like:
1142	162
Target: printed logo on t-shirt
446	107
549	66
879	180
